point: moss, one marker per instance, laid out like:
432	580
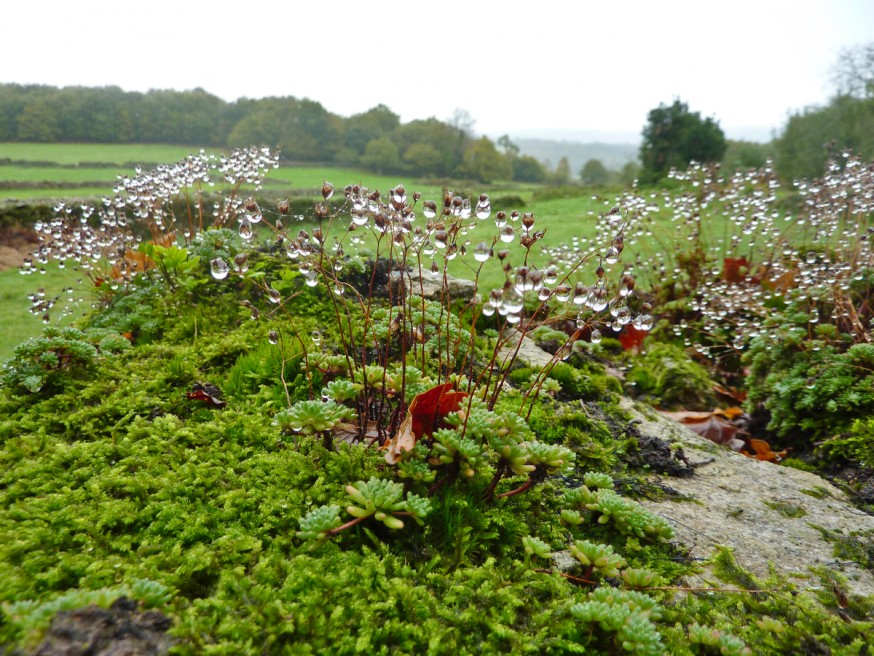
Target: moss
817	492
857	546
787	508
120	477
666	374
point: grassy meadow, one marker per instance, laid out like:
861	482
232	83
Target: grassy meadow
41	172
16	322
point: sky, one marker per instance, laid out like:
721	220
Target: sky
576	70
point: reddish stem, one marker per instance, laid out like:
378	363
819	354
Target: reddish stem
349	524
522	488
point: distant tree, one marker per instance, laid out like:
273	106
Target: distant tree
746	155
302	129
462	121
510	149
424	159
375	123
594	173
445	143
847	121
853	72
528	169
674	136
381	155
38	121
562	173
804	145
484	163
629	173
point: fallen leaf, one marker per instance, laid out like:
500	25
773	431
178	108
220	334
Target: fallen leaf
208	394
714	426
730	393
404	440
735	269
731	413
136	261
631	338
782	283
423	416
346	432
762	451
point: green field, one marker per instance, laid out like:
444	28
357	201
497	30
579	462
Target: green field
16	322
75	154
77	171
562	219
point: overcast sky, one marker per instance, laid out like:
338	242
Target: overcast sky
570	67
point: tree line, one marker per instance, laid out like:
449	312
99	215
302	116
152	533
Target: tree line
377	141
303	130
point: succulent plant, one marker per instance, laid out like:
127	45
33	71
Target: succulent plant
317	523
601	557
307	417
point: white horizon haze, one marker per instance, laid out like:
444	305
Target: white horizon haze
552	68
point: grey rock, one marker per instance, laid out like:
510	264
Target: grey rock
737	501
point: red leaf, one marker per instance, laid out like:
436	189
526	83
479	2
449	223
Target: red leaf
735	269
423	416
631	338
429	407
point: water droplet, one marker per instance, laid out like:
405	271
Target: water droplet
311	278
429	209
317	337
273	296
611	256
241	262
623	315
482	252
273	337
246	230
543	294
507	234
643	322
550	277
595	336
483	208
219	269
514	302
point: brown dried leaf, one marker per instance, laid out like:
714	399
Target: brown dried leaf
404	440
762	451
346	432
712	426
730	393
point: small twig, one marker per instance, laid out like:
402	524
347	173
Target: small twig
519	490
349	524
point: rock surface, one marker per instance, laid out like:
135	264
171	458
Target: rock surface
765	512
120	630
